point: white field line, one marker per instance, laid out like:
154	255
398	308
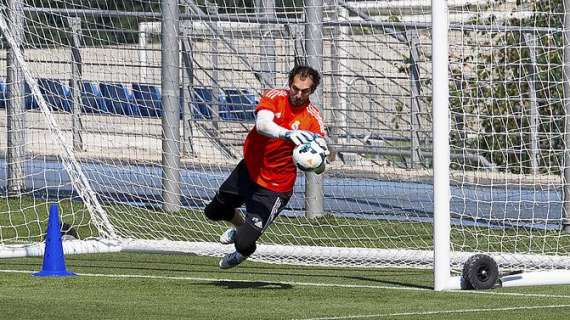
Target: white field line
425	313
306	284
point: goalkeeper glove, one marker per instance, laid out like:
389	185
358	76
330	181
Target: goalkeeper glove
323	144
299	137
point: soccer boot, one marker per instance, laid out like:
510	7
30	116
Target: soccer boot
229	236
231	260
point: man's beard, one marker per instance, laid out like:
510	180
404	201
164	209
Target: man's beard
295	102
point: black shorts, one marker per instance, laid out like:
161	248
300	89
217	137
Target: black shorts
262	205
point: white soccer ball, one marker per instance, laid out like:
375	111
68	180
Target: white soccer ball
309	156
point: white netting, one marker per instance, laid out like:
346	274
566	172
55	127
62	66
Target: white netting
507	132
375	99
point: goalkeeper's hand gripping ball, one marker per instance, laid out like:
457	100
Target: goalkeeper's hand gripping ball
299	137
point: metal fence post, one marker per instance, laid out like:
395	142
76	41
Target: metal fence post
187	88
530	40
415	155
170	84
15	105
314	58
77	128
267	49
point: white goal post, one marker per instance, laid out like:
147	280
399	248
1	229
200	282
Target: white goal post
441	157
443	279
446	120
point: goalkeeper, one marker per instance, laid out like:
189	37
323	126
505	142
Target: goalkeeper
264	179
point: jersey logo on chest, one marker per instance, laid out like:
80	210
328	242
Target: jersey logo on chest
295	125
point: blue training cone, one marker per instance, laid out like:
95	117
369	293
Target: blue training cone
54	260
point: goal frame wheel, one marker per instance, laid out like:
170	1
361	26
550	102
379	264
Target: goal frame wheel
480	272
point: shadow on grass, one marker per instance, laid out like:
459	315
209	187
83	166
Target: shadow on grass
184	264
373	276
251	285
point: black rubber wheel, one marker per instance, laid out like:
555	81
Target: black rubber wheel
480	272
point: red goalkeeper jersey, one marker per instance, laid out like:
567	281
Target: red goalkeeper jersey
269	160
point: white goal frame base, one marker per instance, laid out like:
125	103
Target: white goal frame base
533	278
314	255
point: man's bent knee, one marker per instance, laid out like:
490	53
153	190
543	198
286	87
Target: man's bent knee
216	211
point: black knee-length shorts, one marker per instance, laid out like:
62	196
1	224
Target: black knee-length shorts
262	205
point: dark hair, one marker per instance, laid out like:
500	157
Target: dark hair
304	72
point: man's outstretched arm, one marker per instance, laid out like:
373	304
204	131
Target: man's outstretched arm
267	127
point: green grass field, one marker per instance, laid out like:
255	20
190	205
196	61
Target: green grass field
161	286
182	286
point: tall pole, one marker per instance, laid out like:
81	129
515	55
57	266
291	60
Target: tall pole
266	9
216	31
314	58
15	155
142	53
566	213
171	111
440	100
77	128
338	71
414	98
187	89
532	68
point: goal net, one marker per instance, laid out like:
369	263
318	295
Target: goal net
85	126
506	112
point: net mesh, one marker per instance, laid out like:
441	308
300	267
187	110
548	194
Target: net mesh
98	67
507	133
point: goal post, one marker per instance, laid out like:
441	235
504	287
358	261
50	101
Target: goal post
494	95
440	109
448	122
